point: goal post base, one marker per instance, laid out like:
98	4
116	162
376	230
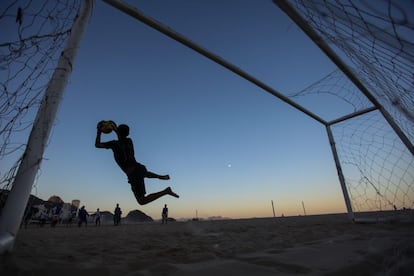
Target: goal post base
399	216
6	243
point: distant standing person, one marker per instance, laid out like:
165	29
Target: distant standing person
56	212
117	214
97	217
164	214
123	150
83	215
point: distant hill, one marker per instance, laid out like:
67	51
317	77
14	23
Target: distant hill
55	199
137	216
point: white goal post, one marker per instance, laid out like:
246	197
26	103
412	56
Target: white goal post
13	210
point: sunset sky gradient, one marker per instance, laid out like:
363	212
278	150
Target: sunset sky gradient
229	146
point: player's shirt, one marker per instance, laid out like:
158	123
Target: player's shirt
123	150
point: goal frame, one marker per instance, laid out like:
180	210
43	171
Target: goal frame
297	18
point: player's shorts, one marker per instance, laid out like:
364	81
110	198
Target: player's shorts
136	179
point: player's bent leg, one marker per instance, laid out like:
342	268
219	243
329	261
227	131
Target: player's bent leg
171	193
154	175
151	197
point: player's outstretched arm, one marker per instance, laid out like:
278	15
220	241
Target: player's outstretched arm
98	142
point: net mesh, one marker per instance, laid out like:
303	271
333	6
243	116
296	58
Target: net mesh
30	47
375	39
378	168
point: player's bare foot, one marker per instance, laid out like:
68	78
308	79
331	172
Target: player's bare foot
170	192
164	177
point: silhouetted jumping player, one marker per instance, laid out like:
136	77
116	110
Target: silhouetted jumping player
123	150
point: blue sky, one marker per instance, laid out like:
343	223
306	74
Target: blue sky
229	147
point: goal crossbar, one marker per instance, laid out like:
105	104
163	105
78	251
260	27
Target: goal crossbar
135	13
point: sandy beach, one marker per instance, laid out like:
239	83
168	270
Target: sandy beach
311	245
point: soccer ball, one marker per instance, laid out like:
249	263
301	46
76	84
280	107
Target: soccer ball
107	126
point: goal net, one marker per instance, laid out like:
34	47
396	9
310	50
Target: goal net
34	34
377	167
375	43
36	58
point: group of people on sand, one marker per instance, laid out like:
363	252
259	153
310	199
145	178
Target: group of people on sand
83	216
